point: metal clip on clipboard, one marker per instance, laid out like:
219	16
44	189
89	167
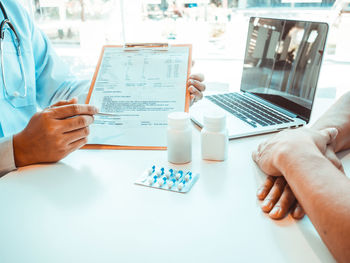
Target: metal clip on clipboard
146	46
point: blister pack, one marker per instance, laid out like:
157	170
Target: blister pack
168	179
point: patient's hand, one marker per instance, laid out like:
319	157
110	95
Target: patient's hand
278	198
196	87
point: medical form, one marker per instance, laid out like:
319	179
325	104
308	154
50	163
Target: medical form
137	89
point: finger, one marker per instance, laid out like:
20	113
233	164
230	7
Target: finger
65	102
284	204
77	144
192	99
297	211
193	91
330	155
266	187
68	111
77	135
261	147
274	195
329	134
76	123
198	76
256	154
197	84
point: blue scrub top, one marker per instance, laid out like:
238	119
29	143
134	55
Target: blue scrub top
48	78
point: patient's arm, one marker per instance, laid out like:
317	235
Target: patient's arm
338	116
278	193
279	200
324	193
321	188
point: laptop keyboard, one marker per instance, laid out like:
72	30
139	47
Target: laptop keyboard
248	110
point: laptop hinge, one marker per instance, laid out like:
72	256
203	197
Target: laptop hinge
269	104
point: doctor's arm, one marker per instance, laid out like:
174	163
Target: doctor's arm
276	193
7	162
49	136
54	80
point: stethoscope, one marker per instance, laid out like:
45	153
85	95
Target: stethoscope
16	40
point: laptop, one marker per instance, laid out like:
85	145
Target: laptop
280	73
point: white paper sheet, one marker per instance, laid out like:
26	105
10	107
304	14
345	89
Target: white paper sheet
141	88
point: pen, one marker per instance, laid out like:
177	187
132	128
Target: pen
106	114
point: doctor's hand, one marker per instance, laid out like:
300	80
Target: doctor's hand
196	87
53	133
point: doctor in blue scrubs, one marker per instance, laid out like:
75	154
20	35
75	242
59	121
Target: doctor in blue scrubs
33	76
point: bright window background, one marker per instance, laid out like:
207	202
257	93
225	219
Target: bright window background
216	28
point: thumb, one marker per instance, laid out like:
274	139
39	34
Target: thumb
329	134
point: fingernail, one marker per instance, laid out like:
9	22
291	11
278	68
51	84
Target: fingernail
297	211
267	204
334	132
254	156
261	191
275	211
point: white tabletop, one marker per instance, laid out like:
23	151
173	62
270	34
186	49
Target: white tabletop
87	208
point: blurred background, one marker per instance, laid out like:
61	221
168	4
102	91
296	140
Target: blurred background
216	28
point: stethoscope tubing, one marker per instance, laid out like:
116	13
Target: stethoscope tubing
3	24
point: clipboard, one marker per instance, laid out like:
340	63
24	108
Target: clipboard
138	48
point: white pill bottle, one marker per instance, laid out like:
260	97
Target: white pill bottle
214	137
179	138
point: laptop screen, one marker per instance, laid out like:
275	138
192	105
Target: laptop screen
282	62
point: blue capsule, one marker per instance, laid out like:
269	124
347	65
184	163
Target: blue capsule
167	175
150	180
171	183
179	174
160	172
160	182
188	176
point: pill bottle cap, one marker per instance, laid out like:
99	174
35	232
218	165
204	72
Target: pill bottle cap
178	120
214	121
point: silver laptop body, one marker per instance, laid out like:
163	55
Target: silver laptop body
280	73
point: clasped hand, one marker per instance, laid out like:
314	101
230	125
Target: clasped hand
271	157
